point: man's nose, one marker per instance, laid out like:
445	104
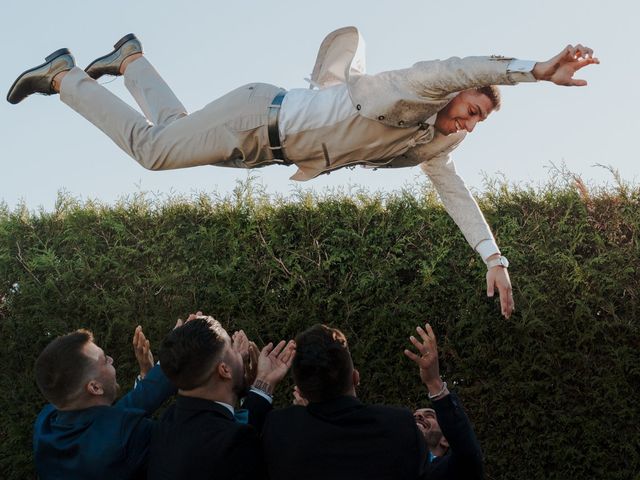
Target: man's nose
470	125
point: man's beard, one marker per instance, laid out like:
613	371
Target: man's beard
111	391
432	438
240	386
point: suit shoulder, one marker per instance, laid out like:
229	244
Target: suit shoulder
287	412
391	411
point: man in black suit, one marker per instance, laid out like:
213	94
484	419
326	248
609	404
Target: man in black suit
203	435
336	436
454	452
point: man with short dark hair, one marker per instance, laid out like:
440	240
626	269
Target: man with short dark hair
336	436
204	435
398	118
454	451
81	434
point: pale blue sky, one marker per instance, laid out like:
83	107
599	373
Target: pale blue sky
205	48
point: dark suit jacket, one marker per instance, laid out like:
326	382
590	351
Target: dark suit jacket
100	442
200	439
343	439
464	459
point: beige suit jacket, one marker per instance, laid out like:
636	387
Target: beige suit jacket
405	99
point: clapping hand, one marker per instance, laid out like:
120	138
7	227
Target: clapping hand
142	350
250	354
274	363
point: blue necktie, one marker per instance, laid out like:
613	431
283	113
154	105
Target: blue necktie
242	416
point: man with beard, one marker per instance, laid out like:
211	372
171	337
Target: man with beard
454	452
81	434
204	435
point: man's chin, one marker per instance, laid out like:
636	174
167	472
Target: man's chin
443	131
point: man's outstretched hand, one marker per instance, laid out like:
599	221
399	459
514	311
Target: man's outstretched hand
561	68
498	277
142	350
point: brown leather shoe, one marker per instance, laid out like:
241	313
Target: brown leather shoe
110	63
39	79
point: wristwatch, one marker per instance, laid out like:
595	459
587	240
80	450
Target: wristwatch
498	262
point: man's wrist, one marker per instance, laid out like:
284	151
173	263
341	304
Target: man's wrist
434	385
264	385
497	261
538	71
437	390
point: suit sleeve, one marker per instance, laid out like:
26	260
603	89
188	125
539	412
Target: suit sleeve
464	459
439	78
137	430
458	201
149	393
258	407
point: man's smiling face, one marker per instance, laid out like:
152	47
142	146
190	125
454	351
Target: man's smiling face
463	112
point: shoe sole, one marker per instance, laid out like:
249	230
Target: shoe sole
118	44
47	59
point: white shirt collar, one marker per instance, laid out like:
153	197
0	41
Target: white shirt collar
227	406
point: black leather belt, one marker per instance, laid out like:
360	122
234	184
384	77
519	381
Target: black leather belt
272	127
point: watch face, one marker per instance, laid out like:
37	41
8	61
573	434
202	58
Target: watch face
504	262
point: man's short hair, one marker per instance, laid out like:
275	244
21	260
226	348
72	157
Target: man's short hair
322	367
189	352
493	93
62	367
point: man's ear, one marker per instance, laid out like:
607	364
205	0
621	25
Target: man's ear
356	378
223	370
94	388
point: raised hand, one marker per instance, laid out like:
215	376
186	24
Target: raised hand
251	364
274	363
240	344
427	360
142	350
561	68
192	316
298	399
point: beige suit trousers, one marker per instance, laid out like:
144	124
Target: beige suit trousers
230	131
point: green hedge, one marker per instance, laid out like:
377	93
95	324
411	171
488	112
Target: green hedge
553	392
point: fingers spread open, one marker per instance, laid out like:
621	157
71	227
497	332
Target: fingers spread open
266	350
278	348
412	356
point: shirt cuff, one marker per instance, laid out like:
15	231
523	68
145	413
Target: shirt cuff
486	248
521	70
263	394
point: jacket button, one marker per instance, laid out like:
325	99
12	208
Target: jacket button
381	117
401	122
358	107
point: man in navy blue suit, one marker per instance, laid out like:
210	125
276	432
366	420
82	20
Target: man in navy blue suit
81	433
454	451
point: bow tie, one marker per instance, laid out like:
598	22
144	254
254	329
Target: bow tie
241	416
